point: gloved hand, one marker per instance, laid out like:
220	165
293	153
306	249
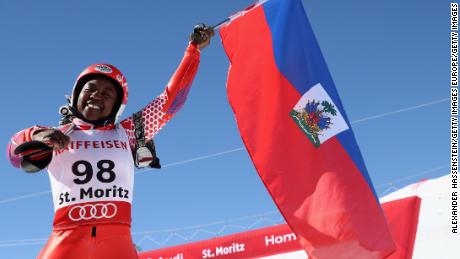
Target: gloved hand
201	35
53	137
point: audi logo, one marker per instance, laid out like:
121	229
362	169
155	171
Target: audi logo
93	211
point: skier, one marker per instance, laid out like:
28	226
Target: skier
90	161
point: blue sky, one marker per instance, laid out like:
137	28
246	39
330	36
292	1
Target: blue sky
384	56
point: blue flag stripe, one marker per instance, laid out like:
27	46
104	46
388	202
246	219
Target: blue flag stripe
299	58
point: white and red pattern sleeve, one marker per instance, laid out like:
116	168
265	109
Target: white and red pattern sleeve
157	113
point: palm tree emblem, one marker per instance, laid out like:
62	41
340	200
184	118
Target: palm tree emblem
314	118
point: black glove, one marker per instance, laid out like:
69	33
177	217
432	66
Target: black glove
201	35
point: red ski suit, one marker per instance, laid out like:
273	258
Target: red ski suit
92	178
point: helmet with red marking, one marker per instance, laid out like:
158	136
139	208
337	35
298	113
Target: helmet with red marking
111	73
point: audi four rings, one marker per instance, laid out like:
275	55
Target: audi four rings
93	211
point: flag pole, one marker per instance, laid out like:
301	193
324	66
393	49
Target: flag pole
219	24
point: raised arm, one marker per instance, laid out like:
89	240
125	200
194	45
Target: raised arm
166	105
157	113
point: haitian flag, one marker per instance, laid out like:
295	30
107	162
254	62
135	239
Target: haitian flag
298	136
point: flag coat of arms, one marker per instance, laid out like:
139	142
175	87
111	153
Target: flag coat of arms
297	134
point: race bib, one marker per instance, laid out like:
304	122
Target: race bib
97	165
